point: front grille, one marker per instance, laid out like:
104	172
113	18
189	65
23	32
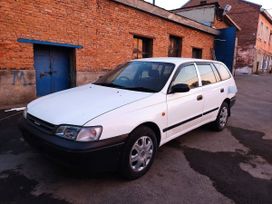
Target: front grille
40	124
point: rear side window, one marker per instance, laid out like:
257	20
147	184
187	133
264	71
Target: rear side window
206	74
222	71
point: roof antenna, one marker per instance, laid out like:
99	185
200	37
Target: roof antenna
227	9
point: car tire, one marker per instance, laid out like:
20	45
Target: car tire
139	153
222	118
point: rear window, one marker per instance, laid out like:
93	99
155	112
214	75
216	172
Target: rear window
224	73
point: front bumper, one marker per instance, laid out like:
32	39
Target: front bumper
98	155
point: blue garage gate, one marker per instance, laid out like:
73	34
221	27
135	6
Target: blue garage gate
53	68
225	46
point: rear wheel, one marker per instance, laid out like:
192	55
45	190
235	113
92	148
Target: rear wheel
222	118
139	153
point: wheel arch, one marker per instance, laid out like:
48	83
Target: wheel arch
153	126
227	100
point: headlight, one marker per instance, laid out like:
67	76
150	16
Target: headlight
68	132
89	134
81	134
25	113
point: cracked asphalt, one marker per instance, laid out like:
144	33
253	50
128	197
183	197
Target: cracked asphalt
232	166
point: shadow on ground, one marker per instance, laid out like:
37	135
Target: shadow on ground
15	187
223	168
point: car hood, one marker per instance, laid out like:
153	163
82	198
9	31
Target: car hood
79	105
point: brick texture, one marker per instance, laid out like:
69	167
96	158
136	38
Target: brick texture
104	29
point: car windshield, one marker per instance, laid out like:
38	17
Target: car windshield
138	76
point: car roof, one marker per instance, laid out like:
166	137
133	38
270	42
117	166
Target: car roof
175	60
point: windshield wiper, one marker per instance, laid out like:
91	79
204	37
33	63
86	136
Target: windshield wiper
141	89
127	88
110	85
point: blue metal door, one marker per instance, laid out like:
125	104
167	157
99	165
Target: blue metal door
52	65
225	46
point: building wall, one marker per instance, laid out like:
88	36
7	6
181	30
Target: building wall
118	24
220	24
246	15
104	29
263	60
56	21
204	15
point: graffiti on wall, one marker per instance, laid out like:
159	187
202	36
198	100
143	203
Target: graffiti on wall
19	77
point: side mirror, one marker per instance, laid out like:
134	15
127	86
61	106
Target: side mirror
180	88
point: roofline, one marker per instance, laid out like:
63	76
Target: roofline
214	4
252	3
195	6
167	15
233	22
266	15
185	3
245	1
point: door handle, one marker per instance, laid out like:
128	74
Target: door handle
42	74
222	90
51	72
199	97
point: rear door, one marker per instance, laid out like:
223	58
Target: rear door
214	91
184	109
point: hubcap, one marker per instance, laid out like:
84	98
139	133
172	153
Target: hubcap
223	117
141	153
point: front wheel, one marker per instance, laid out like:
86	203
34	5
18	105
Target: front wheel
222	118
139	153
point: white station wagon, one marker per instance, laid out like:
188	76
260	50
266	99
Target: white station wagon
125	116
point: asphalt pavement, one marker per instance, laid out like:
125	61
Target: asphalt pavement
232	166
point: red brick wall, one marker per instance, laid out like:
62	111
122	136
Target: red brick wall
56	21
103	30
102	27
246	15
118	22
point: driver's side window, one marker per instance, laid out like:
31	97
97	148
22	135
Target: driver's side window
186	75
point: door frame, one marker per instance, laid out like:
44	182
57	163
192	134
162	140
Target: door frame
188	121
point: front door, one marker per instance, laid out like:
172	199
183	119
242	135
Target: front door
52	65
184	109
